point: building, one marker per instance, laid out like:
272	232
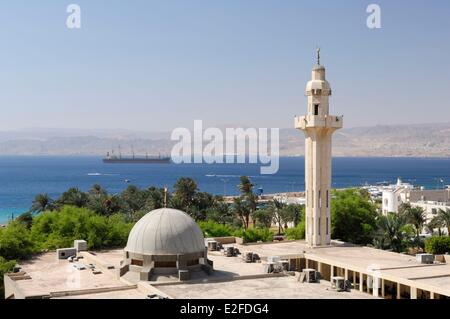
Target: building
394	195
318	127
400	193
165	242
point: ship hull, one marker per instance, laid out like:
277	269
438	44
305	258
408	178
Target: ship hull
136	161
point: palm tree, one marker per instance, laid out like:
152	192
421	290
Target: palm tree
436	222
74	197
391	232
417	217
241	209
277	208
444	216
97	189
245	186
185	189
41	203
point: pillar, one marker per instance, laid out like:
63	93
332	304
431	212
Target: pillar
331	271
383	293
413	293
431	295
361	281
307	263
354	279
346	274
398	291
375	286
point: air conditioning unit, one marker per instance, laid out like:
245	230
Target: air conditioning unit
273	259
338	283
425	258
311	275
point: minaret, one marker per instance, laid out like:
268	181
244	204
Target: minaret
318	127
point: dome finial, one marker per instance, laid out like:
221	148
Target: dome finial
318	56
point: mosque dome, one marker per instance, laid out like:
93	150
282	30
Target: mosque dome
165	231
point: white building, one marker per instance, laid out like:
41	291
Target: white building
394	195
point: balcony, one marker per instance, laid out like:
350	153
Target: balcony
319	121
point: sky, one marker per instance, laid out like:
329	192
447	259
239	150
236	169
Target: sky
156	65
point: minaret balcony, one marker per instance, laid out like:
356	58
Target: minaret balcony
319	121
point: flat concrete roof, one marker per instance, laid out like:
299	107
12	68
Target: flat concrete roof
383	264
263	288
51	275
232	278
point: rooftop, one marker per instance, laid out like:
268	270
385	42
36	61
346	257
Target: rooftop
232	278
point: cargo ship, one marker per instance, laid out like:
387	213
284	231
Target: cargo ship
111	158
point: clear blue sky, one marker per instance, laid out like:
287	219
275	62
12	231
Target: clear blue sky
156	65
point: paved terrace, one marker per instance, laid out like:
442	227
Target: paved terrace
356	263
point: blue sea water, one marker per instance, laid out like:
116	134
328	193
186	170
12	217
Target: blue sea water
21	177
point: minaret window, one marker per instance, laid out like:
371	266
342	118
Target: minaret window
316	109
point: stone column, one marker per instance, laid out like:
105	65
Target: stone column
398	291
361	281
346	274
383	293
413	293
375	286
431	295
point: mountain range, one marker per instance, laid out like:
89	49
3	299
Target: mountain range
418	140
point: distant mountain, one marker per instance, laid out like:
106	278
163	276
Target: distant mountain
421	140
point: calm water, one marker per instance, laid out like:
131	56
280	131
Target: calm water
21	178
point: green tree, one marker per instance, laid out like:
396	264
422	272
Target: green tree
133	200
73	197
245	185
242	210
51	230
42	202
220	213
185	190
417	217
25	219
353	218
15	242
97	189
435	223
391	232
155	198
444	216
263	217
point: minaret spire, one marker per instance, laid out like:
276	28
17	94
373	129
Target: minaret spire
318	56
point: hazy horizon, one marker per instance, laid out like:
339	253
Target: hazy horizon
153	66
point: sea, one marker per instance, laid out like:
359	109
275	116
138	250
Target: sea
23	177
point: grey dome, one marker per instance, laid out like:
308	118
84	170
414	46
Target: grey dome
165	231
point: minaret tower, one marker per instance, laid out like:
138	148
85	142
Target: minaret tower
318	127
